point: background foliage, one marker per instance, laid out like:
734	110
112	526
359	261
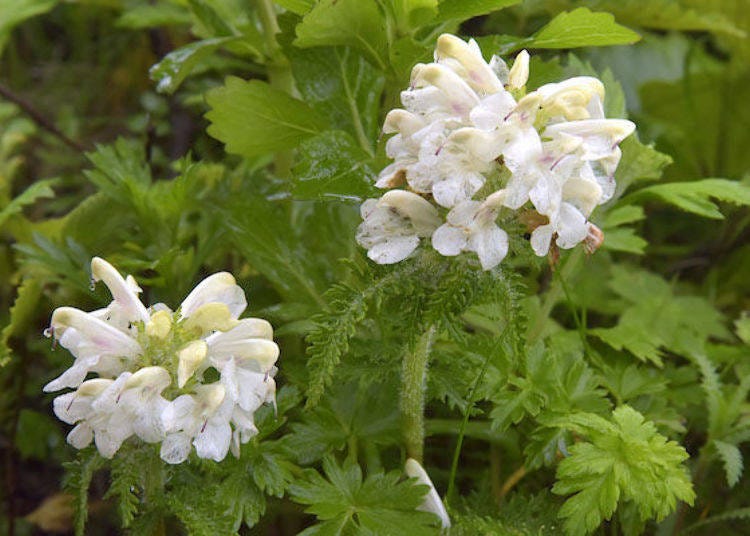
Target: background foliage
181	137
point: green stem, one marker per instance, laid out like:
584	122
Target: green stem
362	138
413	386
462	430
279	72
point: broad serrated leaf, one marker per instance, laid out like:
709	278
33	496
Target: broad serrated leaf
244	501
252	118
624	240
197	512
583	28
578	28
657	317
625	459
339	84
638	162
459	10
178	64
622	215
410	14
332	165
378	505
356	23
341	417
695	196
664	14
264	236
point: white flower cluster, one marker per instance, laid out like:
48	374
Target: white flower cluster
471	142
154	368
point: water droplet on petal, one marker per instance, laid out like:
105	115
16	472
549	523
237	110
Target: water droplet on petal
49	332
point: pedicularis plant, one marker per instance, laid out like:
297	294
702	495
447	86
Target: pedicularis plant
374	267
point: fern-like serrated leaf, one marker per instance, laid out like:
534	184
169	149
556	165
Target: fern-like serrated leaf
20	315
695	196
625	459
78	475
347	307
740	514
330	340
732	458
125	481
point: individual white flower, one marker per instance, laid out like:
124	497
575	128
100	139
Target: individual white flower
471	226
515	138
141	401
413	153
432	502
201	419
125	306
594	141
567	209
576	98
92	408
218	288
465	59
97	346
394	224
456	171
437	92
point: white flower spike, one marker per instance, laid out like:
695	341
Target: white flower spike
468	124
151	365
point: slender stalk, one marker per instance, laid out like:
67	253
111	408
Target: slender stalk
39	118
512	480
413	386
279	72
462	430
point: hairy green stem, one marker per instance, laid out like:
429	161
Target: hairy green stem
279	72
413	386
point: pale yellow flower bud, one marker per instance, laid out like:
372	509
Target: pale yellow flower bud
160	325
210	317
519	73
190	359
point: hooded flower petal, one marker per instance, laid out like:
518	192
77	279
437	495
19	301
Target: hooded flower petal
123	292
394	224
432	502
465	59
216	288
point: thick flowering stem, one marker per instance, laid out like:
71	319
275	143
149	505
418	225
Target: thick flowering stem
413	386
